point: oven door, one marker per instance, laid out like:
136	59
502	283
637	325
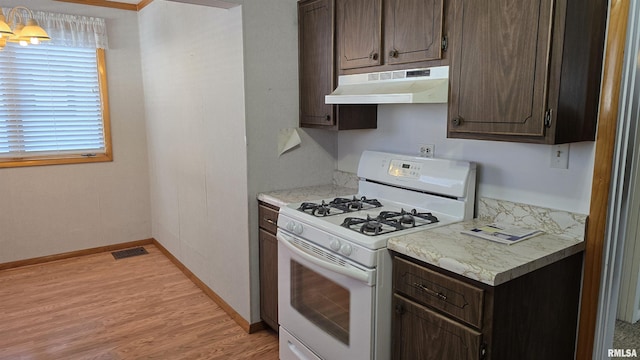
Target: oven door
324	301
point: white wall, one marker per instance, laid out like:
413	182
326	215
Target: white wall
194	99
509	171
271	95
48	210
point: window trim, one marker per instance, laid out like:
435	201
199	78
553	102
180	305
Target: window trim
77	159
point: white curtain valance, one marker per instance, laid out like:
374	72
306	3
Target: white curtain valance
70	30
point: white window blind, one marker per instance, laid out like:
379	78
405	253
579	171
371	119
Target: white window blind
50	102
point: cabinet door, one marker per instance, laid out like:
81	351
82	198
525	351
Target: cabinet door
359	30
315	37
499	67
269	279
413	30
422	334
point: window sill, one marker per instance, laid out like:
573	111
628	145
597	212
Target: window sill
41	161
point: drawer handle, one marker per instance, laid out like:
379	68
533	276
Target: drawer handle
439	295
269	221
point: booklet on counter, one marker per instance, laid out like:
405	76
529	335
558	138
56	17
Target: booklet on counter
506	234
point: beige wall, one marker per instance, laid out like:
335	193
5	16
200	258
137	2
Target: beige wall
510	171
194	101
250	92
54	209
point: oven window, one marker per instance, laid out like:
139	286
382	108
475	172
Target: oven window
321	301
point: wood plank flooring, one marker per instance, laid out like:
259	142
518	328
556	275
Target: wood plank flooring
95	307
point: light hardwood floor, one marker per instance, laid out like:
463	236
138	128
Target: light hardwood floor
95	307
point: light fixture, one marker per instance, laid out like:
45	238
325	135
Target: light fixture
13	28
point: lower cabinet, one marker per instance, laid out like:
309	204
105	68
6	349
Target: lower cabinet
442	315
268	264
422	333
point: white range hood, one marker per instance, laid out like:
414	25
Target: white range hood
415	86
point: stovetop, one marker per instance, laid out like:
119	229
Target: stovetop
398	194
383	222
364	221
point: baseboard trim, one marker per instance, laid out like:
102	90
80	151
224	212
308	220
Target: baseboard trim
244	324
71	254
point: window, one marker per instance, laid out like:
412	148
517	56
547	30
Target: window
54	102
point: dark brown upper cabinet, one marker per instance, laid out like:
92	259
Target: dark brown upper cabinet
378	35
526	70
359	33
413	31
317	75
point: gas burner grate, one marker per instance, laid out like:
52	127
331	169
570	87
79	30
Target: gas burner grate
389	221
339	206
354	204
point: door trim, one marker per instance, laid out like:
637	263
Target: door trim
603	164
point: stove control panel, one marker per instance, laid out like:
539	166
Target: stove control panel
405	169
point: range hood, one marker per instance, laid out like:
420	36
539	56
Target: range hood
415	86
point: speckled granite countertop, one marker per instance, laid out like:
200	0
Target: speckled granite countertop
283	197
494	263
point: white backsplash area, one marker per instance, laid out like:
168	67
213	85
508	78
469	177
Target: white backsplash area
509	171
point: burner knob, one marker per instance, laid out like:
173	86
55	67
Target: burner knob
297	228
345	249
294	227
334	245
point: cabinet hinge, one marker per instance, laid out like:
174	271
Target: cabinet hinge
547	118
445	43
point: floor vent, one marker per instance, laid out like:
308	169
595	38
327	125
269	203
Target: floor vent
129	253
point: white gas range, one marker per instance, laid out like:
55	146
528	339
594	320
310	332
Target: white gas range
334	271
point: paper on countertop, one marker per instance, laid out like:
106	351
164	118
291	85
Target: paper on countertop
287	140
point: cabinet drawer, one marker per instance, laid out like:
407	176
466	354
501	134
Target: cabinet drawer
268	217
420	333
451	296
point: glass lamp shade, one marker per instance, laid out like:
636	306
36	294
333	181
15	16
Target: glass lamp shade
5	30
34	33
16	38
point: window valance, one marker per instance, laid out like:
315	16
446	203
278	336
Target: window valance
72	30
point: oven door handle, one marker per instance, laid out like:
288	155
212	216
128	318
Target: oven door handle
349	270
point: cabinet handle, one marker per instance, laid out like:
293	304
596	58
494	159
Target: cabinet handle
399	309
327	117
373	56
393	53
269	221
456	121
439	295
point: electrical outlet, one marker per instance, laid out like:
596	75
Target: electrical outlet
427	150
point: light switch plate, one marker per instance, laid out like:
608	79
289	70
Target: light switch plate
560	156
